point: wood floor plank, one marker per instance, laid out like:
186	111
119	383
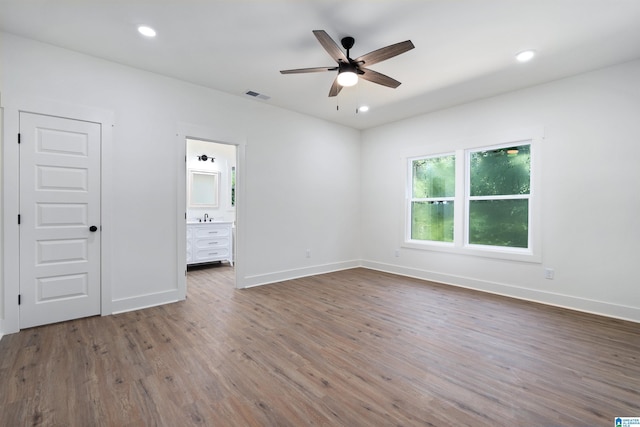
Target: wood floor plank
351	348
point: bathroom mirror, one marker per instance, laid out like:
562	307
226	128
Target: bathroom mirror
203	189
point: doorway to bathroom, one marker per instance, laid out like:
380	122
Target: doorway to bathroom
210	212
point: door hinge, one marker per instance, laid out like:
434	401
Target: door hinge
18	138
18	219
19	299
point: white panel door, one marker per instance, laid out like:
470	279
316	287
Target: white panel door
59	219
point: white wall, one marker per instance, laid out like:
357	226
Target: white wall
300	184
225	159
310	184
2	311
590	199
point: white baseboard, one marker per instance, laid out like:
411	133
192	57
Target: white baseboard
144	301
2	330
549	298
280	276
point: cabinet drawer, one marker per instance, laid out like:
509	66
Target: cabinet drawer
212	254
211	231
212	243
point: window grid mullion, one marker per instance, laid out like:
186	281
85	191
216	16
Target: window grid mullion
434	199
501	197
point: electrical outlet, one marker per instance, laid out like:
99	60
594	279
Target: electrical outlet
548	273
308	253
397	253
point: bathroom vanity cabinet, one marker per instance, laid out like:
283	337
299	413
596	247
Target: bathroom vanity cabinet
209	242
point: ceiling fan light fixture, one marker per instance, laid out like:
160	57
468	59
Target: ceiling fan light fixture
347	78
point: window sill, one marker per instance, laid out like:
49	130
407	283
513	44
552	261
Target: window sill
495	252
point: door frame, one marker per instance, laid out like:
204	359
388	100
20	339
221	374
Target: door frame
10	311
204	133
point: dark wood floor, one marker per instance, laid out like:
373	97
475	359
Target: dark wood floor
352	348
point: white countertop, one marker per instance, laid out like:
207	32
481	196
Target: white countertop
191	222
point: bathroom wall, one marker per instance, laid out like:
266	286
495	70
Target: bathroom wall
225	159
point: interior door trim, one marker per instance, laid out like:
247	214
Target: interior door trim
12	106
205	133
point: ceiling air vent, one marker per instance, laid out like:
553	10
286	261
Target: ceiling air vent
257	95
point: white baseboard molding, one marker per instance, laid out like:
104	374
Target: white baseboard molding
549	298
280	276
144	301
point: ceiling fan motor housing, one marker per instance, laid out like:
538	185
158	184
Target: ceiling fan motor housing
344	67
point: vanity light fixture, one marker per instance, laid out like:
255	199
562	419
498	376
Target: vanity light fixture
204	158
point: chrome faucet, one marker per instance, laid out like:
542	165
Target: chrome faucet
205	217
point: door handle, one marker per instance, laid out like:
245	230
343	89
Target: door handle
93	229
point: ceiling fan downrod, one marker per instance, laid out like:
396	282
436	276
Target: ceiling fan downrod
347	43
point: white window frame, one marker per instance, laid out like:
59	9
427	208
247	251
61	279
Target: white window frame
430	199
460	243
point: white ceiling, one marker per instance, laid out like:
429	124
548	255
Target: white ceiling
464	48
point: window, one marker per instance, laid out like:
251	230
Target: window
498	202
477	201
432	198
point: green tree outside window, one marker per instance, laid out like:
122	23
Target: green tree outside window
432	198
499	197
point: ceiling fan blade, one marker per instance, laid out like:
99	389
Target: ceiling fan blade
308	70
381	79
335	88
330	46
385	53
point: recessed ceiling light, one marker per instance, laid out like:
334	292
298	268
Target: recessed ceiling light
363	108
526	55
146	31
